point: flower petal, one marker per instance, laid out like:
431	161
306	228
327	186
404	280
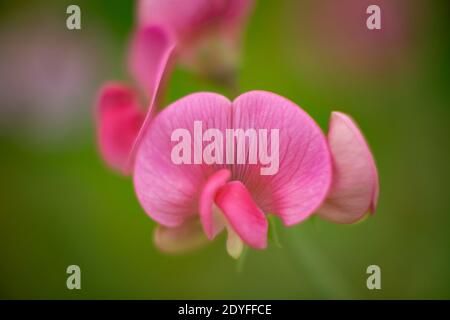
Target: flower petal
235	245
186	237
354	190
169	192
151	50
119	118
207	32
242	214
212	224
299	186
150	62
186	18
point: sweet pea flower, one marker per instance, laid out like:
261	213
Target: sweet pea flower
195	202
121	119
207	32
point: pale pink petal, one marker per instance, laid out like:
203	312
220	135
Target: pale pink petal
184	238
169	192
304	175
242	214
211	223
119	118
354	190
150	62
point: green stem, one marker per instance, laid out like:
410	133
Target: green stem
241	261
325	276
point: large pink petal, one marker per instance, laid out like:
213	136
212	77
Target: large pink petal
300	185
119	118
170	192
243	215
151	55
354	190
186	237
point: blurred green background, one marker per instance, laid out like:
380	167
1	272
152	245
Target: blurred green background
60	205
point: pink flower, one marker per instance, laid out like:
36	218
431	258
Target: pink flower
207	32
121	120
231	186
188	200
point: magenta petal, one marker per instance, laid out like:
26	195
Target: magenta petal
354	190
170	193
211	224
119	118
300	185
242	213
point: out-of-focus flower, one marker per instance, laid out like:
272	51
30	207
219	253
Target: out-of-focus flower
236	197
120	116
208	32
338	34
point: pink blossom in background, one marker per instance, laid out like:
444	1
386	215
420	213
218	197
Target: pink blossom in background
119	119
188	19
236	197
120	115
336	34
208	32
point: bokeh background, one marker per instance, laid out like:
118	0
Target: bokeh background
60	205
